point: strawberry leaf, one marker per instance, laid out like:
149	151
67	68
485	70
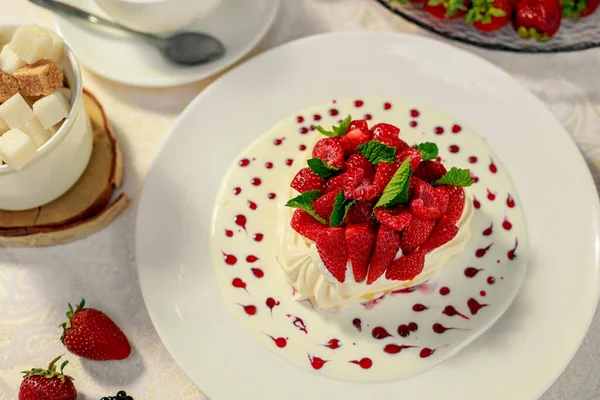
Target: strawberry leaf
397	190
321	168
456	177
336	131
305	201
340	209
377	152
429	151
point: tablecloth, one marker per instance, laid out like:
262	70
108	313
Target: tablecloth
37	284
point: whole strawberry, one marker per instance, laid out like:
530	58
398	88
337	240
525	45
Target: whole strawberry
537	19
93	335
447	8
490	15
47	384
576	9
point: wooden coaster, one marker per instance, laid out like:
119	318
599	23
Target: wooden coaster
84	209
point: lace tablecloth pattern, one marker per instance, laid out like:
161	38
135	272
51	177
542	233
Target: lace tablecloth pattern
37	284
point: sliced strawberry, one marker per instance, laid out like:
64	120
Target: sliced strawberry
398	143
430	170
361	124
442	196
407	268
443	232
358	161
388	134
590	8
330	150
360	212
456	202
303	223
383	174
360	240
424	203
323	206
336	183
387	244
416	233
396	218
331	246
351	140
306	180
358	186
415	158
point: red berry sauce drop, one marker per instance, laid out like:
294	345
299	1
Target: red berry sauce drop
475	306
365	363
333	112
482	252
272	303
317	117
413	327
445	291
249	309
414	113
403	330
358	103
279	342
512	253
476	203
419	308
251	259
228	233
439	328
316	362
256	181
302	147
278	141
413	124
230	259
490	195
357	324
491	280
506	224
269	165
240	220
258	272
244	162
510	202
237	190
439	130
300	119
312	127
333	344
493	168
451	312
252	205
271	196
298	323
258	237
474	178
387	106
395	349
482	293
454	148
289	162
456	128
472	159
380	333
405	290
238	283
368	117
488	231
470	272
303	130
426	352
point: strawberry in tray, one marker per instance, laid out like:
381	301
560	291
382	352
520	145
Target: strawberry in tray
374	207
537	19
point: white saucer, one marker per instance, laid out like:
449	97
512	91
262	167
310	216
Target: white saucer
240	25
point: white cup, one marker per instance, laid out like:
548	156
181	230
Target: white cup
157	16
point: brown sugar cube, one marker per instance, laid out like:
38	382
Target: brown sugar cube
8	86
39	79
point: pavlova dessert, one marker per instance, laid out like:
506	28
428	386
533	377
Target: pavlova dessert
370	214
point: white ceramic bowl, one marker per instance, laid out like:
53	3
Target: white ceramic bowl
60	161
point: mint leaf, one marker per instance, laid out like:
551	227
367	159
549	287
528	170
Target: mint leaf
456	177
336	131
340	209
321	168
377	152
397	190
305	201
429	151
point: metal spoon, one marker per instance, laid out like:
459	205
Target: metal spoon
187	48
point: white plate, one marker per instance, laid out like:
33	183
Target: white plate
518	358
240	25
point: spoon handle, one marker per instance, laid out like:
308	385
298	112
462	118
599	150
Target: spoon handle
70	11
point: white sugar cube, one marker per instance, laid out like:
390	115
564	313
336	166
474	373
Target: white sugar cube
66	92
16	148
10	61
3	126
31	43
15	111
55	51
51	109
36	132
